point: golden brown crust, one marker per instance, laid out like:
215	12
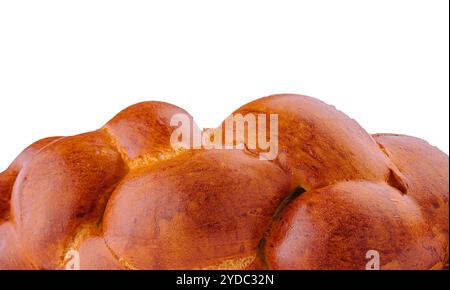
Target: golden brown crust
96	256
143	130
159	216
66	185
334	227
125	199
320	145
8	177
427	170
11	251
346	220
12	256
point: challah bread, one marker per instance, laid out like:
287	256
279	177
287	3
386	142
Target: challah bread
123	197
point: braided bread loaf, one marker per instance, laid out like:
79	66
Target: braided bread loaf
123	198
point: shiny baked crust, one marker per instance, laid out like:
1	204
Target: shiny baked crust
125	199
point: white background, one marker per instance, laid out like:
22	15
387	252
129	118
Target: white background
67	67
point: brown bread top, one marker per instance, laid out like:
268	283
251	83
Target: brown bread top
123	198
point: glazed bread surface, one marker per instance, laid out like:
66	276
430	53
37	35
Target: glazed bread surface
123	198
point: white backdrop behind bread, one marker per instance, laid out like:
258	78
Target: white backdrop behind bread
67	67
